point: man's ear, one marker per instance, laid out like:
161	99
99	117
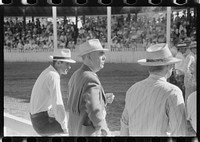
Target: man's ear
88	56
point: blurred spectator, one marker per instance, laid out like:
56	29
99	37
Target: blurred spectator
189	81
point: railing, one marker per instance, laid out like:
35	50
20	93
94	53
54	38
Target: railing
72	50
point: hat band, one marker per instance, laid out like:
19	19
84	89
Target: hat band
56	58
159	60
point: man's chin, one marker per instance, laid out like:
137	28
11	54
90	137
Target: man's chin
66	71
102	65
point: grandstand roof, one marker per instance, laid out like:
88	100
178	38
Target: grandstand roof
66	11
61	11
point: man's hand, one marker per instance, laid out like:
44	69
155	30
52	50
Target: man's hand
109	97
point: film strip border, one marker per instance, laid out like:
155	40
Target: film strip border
100	2
100	139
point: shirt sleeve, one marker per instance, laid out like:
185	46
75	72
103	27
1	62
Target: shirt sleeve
57	102
188	64
124	131
94	106
175	109
191	110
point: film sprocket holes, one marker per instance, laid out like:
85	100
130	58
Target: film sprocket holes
55	2
100	2
180	2
81	2
155	2
105	2
5	2
130	2
29	2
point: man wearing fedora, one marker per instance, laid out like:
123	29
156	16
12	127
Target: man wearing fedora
179	67
47	111
153	106
189	81
87	100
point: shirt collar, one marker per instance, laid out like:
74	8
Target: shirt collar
86	68
157	77
51	68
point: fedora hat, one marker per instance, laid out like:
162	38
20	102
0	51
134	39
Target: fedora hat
62	55
158	55
193	44
181	45
187	40
90	46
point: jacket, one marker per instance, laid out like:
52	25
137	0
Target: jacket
86	104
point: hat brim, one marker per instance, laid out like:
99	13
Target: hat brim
64	60
143	62
192	46
86	52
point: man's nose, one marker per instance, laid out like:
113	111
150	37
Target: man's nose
68	66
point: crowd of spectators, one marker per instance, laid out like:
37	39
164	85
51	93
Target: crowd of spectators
37	36
126	32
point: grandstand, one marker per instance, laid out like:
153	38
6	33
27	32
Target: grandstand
132	29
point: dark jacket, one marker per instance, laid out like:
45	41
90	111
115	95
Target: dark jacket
86	104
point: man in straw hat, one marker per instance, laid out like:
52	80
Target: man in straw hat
179	67
189	81
87	100
155	107
47	111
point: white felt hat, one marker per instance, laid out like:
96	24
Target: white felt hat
158	55
90	46
62	55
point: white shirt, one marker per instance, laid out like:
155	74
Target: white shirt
189	77
46	93
190	58
180	65
192	110
153	107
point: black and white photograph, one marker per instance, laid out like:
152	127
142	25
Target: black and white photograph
100	71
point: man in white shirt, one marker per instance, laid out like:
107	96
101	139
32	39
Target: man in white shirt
179	67
47	111
181	47
155	107
189	81
192	106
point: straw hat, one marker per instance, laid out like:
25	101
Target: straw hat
193	44
181	45
62	55
187	40
90	46
158	55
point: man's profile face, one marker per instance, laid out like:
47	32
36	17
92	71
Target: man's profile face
98	59
64	67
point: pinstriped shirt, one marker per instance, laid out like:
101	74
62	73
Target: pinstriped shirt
154	107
